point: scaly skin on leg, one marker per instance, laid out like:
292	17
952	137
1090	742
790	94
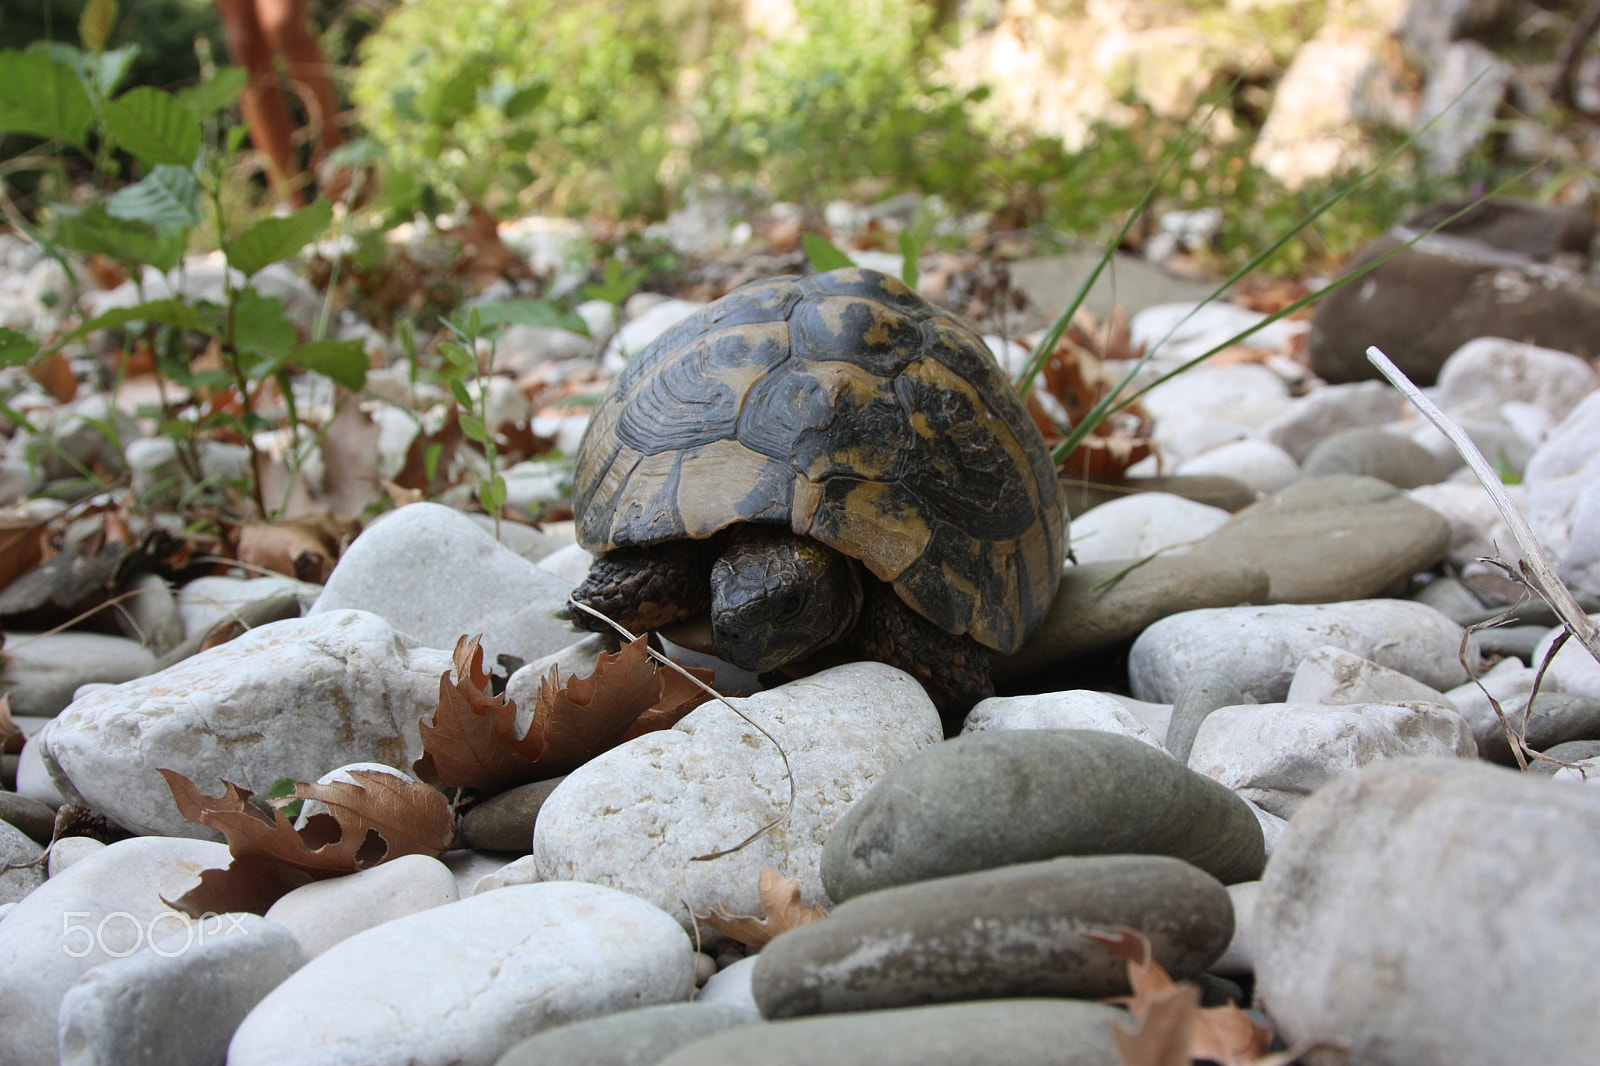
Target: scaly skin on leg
953	669
646	588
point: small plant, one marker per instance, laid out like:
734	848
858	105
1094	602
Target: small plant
69	96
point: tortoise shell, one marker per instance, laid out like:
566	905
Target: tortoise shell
848	408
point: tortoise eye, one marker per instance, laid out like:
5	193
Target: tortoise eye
789	604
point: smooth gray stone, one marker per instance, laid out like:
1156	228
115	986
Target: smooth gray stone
1518	641
1452	599
1416	907
20	869
1571	751
1107	604
1010	932
1532	612
1016	1032
989	799
1335	538
504	822
36	819
641	1037
1228	493
177	1001
1398	460
1202	694
1557	718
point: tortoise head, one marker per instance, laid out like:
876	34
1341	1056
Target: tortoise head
777	597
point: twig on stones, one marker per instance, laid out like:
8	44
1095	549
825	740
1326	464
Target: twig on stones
1535	567
788	771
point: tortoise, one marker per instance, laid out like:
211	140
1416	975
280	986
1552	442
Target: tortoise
818	461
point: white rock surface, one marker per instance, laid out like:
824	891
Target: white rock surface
1260	464
1562	481
42	671
205	601
469	867
1212	405
69	851
1507	681
179	998
33	777
1260	647
1573	669
1239	958
1487	372
1332	675
1321	413
1140	525
519	871
289	699
1415	907
433	574
101	908
570	563
634	817
1072	709
1476	529
730	987
1187	330
323	913
461	983
1277	754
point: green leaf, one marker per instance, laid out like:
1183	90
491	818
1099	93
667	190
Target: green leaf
474	428
168	198
215	93
163	312
15	348
529	312
41	95
275	239
824	256
261	325
127	241
458	356
99	74
94	25
343	361
155	126
459	391
492	494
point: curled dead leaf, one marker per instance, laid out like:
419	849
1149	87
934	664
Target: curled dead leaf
304	548
377	818
472	739
1170	1026
783	910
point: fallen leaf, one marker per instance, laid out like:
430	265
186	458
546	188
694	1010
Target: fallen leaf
11	737
22	544
379	817
780	902
472	740
1170	1026
304	548
54	372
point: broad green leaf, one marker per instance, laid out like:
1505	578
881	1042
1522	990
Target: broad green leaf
164	312
343	361
154	126
275	239
261	325
168	198
214	94
41	95
458	356
446	102
94	25
530	312
824	256
15	348
459	391
125	240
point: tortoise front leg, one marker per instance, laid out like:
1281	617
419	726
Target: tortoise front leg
954	670
647	588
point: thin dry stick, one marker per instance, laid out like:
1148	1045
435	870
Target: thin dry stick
1535	566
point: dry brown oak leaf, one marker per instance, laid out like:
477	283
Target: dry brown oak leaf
472	741
380	817
1170	1026
780	902
10	733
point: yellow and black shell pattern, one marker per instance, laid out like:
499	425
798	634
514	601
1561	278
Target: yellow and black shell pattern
848	408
